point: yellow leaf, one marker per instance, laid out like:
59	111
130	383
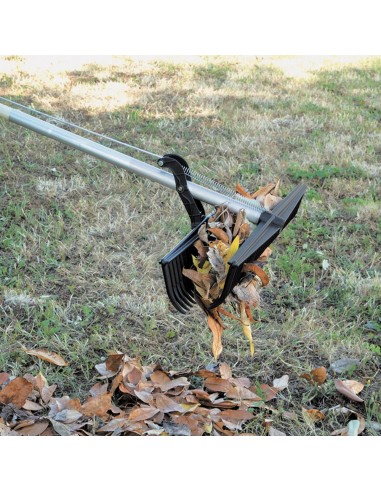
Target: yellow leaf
208	427
205	269
190	407
232	249
246	327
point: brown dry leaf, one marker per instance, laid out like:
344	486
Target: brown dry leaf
318	375
114	362
98	389
47	356
32	406
166	404
241	393
134	376
144	396
104	372
35	429
261	274
240	219
346	390
143	413
4	376
174	383
236	415
220	385
262	192
244	232
241	191
276	189
220	234
97	406
354	386
47	393
16	392
225	371
201	249
270	201
312	415
269	392
58	404
113	425
203	280
265	255
159	377
216	330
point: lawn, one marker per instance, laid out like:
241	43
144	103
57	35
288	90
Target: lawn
80	240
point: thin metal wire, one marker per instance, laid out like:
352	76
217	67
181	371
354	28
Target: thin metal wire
61	120
209	182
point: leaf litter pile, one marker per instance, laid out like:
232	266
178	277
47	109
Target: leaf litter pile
148	400
219	240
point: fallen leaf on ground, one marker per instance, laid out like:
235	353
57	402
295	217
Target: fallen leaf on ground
143	413
67	416
269	392
47	356
346	390
225	371
32	406
97	405
318	375
312	415
61	429
114	362
215	383
35	429
275	432
281	383
16	392
3	377
98	389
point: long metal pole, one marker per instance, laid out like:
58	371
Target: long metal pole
122	160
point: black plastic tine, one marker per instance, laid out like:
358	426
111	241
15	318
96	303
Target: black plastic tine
170	290
187	287
175	287
180	288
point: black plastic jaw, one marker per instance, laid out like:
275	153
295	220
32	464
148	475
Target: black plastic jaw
177	165
180	289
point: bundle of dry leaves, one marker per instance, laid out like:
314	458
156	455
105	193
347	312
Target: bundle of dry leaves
147	400
134	400
219	240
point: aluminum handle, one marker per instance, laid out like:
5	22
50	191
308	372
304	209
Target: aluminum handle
124	161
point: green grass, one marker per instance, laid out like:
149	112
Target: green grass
80	240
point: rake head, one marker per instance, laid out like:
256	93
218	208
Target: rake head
180	289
